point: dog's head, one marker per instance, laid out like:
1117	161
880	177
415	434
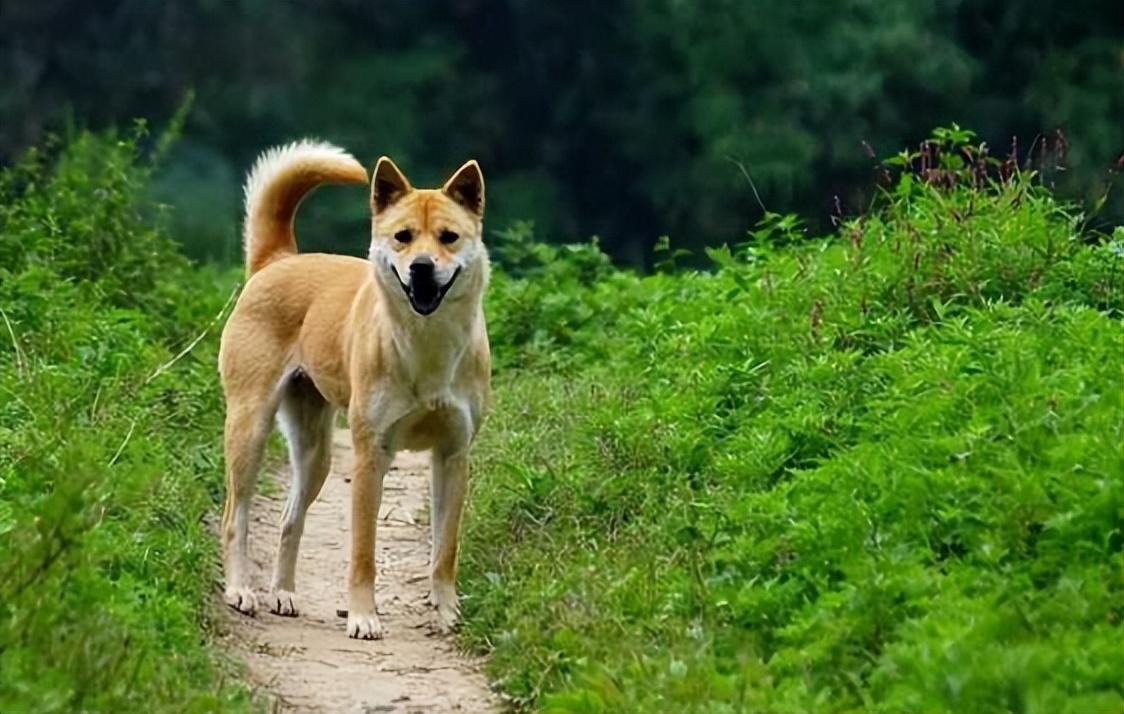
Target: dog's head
426	244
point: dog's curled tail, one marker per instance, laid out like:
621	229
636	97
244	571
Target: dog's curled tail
281	177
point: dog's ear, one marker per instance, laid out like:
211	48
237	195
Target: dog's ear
388	185
466	187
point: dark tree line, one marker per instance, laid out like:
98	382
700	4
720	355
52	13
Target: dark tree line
620	118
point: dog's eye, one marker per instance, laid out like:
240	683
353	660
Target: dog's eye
403	236
448	237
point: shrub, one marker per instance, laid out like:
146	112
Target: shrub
875	471
108	461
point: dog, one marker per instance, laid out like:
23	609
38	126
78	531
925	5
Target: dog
398	340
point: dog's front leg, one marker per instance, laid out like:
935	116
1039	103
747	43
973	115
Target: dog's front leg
371	465
449	488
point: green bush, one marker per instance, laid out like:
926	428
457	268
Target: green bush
878	471
108	462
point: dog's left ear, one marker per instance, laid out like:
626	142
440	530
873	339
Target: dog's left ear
388	185
466	187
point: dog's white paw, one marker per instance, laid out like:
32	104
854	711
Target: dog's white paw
242	599
283	602
364	626
448	617
448	608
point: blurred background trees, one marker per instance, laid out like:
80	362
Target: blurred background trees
618	118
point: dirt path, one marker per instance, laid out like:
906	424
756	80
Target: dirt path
307	663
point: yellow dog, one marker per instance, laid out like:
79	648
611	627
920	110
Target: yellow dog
397	340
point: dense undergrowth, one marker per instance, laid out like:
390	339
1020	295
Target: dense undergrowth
108	464
877	471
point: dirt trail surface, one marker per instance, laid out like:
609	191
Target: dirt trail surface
307	663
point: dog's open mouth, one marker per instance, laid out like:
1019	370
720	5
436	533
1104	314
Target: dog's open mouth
425	294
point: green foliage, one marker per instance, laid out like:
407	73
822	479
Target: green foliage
557	306
108	463
877	471
622	118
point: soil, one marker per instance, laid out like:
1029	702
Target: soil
307	663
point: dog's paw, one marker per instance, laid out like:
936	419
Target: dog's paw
364	627
242	599
448	609
448	617
283	603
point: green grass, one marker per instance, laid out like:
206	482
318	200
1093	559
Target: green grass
878	471
107	472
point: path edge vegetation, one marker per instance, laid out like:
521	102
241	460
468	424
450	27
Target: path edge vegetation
878	470
110	424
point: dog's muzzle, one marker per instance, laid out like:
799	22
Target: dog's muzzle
422	290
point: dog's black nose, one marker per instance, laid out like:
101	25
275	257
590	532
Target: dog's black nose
422	267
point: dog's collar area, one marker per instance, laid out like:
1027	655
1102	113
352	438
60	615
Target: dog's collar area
429	307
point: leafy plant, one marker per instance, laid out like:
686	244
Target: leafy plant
876	471
108	446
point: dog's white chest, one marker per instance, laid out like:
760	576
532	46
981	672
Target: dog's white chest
420	415
423	403
431	390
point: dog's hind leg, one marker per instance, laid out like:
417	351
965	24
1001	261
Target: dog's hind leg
247	427
305	418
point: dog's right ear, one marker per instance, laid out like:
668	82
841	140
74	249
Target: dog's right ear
388	185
